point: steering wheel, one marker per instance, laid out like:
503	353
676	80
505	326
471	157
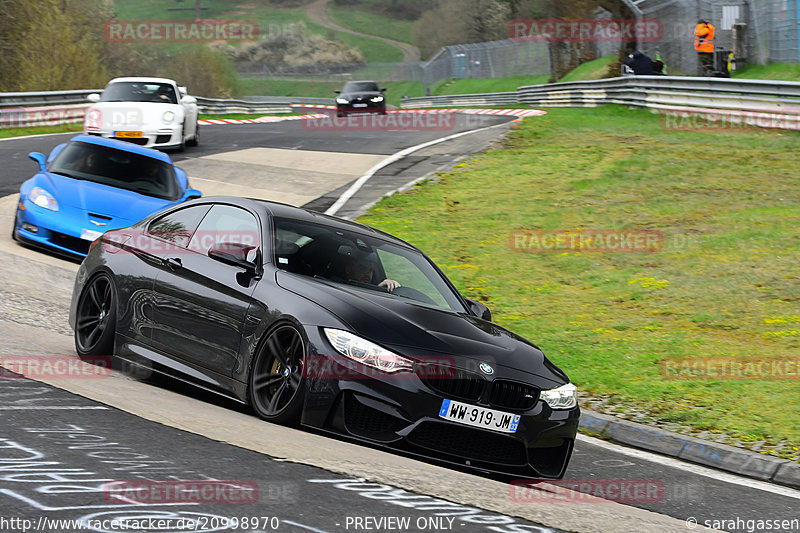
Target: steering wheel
413	294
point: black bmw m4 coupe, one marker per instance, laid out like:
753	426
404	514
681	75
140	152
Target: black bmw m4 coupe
326	323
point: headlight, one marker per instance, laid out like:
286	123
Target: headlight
564	397
367	353
168	117
42	198
342	101
377	98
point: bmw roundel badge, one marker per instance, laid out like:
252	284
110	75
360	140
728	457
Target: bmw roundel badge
486	368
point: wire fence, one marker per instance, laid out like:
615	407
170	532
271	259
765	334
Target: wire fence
771	33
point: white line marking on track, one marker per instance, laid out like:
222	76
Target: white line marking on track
356	186
693	468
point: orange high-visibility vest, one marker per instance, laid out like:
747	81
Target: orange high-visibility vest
705	38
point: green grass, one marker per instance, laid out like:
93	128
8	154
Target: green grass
40	130
270	19
365	18
591	70
496	85
726	283
775	71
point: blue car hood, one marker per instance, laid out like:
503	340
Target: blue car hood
122	207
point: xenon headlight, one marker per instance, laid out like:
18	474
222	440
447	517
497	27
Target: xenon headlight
342	101
42	198
366	352
564	397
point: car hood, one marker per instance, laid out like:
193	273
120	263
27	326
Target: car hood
136	114
419	331
119	207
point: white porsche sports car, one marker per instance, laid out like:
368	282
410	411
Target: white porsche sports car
151	112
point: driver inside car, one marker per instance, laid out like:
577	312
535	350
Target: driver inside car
361	269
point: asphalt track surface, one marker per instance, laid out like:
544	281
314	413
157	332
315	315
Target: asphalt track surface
49	432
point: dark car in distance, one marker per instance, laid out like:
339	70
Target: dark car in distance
326	323
360	97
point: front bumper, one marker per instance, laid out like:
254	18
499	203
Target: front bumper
161	137
41	228
361	107
401	412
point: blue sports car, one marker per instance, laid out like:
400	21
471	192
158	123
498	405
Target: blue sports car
90	185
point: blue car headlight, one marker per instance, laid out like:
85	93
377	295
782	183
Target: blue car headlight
366	352
42	198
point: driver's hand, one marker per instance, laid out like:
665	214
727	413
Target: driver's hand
389	284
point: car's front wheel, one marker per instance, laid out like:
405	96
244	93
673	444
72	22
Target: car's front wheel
276	384
95	317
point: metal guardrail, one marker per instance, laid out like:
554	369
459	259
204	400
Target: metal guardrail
772	102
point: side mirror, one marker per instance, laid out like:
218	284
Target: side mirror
479	310
182	90
338	91
383	90
191	194
234	254
94	98
39	158
188	100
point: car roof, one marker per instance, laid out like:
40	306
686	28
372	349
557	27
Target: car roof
281	210
145	80
122	145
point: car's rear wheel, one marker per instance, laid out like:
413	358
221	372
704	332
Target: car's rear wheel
275	384
196	139
95	317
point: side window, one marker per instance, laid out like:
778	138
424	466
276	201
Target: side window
229	225
178	226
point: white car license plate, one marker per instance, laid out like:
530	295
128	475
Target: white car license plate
480	417
90	234
359	105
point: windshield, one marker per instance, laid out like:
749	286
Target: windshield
360	87
360	261
117	168
137	91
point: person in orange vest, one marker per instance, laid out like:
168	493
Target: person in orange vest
704	44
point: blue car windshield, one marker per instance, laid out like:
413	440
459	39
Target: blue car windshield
117	168
137	91
333	255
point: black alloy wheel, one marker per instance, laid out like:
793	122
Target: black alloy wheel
276	377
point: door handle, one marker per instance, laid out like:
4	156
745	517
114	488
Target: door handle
173	263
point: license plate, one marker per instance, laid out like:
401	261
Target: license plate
128	134
90	234
471	415
359	105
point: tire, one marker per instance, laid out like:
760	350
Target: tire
95	317
196	139
14	227
182	146
276	385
